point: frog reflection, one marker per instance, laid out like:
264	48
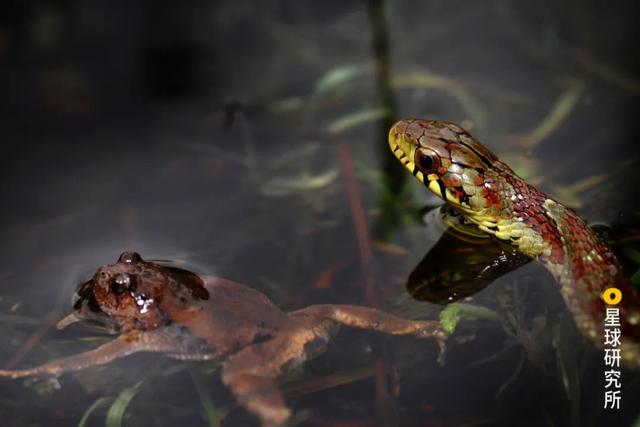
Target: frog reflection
169	310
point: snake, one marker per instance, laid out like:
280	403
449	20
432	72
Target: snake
490	195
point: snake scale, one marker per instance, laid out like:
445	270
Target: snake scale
486	191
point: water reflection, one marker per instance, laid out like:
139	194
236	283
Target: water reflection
461	263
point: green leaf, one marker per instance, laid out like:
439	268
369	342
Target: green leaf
635	278
210	410
568	347
454	313
355	119
631	252
102	402
305	182
299	418
116	411
449	317
338	76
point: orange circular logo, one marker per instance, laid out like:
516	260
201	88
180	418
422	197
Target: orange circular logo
612	296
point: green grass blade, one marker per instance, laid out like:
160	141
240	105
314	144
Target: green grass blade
102	402
116	411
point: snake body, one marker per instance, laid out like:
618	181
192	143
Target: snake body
464	173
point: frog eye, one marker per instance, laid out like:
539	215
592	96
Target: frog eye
120	283
130	257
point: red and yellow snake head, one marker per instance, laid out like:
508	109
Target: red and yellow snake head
453	165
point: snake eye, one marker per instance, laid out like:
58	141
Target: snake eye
426	160
120	283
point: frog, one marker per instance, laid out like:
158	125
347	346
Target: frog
154	307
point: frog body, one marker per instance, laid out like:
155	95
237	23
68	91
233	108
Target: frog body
169	310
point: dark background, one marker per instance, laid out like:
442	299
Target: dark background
165	126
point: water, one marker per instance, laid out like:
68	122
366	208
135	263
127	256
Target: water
210	136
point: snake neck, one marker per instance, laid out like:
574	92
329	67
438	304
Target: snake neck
585	268
571	251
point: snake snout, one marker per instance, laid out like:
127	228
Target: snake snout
402	140
407	129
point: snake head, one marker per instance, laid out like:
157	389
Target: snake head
133	294
450	162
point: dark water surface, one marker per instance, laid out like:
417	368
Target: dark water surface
211	135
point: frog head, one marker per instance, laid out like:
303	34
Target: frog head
131	294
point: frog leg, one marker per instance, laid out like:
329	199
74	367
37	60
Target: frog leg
125	344
370	318
251	373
